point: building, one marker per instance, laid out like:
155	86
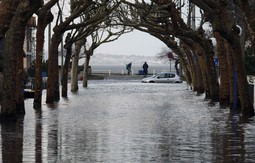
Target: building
29	43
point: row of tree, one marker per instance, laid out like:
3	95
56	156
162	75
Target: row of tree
103	21
232	27
85	18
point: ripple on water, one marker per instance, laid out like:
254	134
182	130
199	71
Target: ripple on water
122	121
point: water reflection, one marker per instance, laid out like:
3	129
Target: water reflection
235	148
12	141
38	136
53	134
116	121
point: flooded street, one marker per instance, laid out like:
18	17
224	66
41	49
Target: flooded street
128	121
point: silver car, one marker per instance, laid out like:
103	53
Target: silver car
163	77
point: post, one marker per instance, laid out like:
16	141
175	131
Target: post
49	38
235	90
170	64
62	55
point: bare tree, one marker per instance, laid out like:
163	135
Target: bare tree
78	35
107	33
44	18
75	61
221	14
78	8
13	52
163	20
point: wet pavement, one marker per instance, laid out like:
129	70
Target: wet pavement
129	121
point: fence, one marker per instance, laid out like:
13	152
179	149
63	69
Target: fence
123	72
101	72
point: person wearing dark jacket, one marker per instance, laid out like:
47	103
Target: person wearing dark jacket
145	69
128	67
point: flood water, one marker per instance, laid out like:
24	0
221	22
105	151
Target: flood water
126	122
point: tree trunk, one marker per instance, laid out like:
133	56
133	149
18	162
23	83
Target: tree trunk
190	65
20	106
56	80
184	66
203	68
231	80
8	108
242	84
194	58
74	71
223	68
202	48
86	70
68	47
53	72
43	20
211	71
74	79
13	49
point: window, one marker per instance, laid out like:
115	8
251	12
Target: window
171	75
161	75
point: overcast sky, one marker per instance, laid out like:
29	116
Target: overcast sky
134	43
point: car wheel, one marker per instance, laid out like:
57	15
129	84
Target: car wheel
151	81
